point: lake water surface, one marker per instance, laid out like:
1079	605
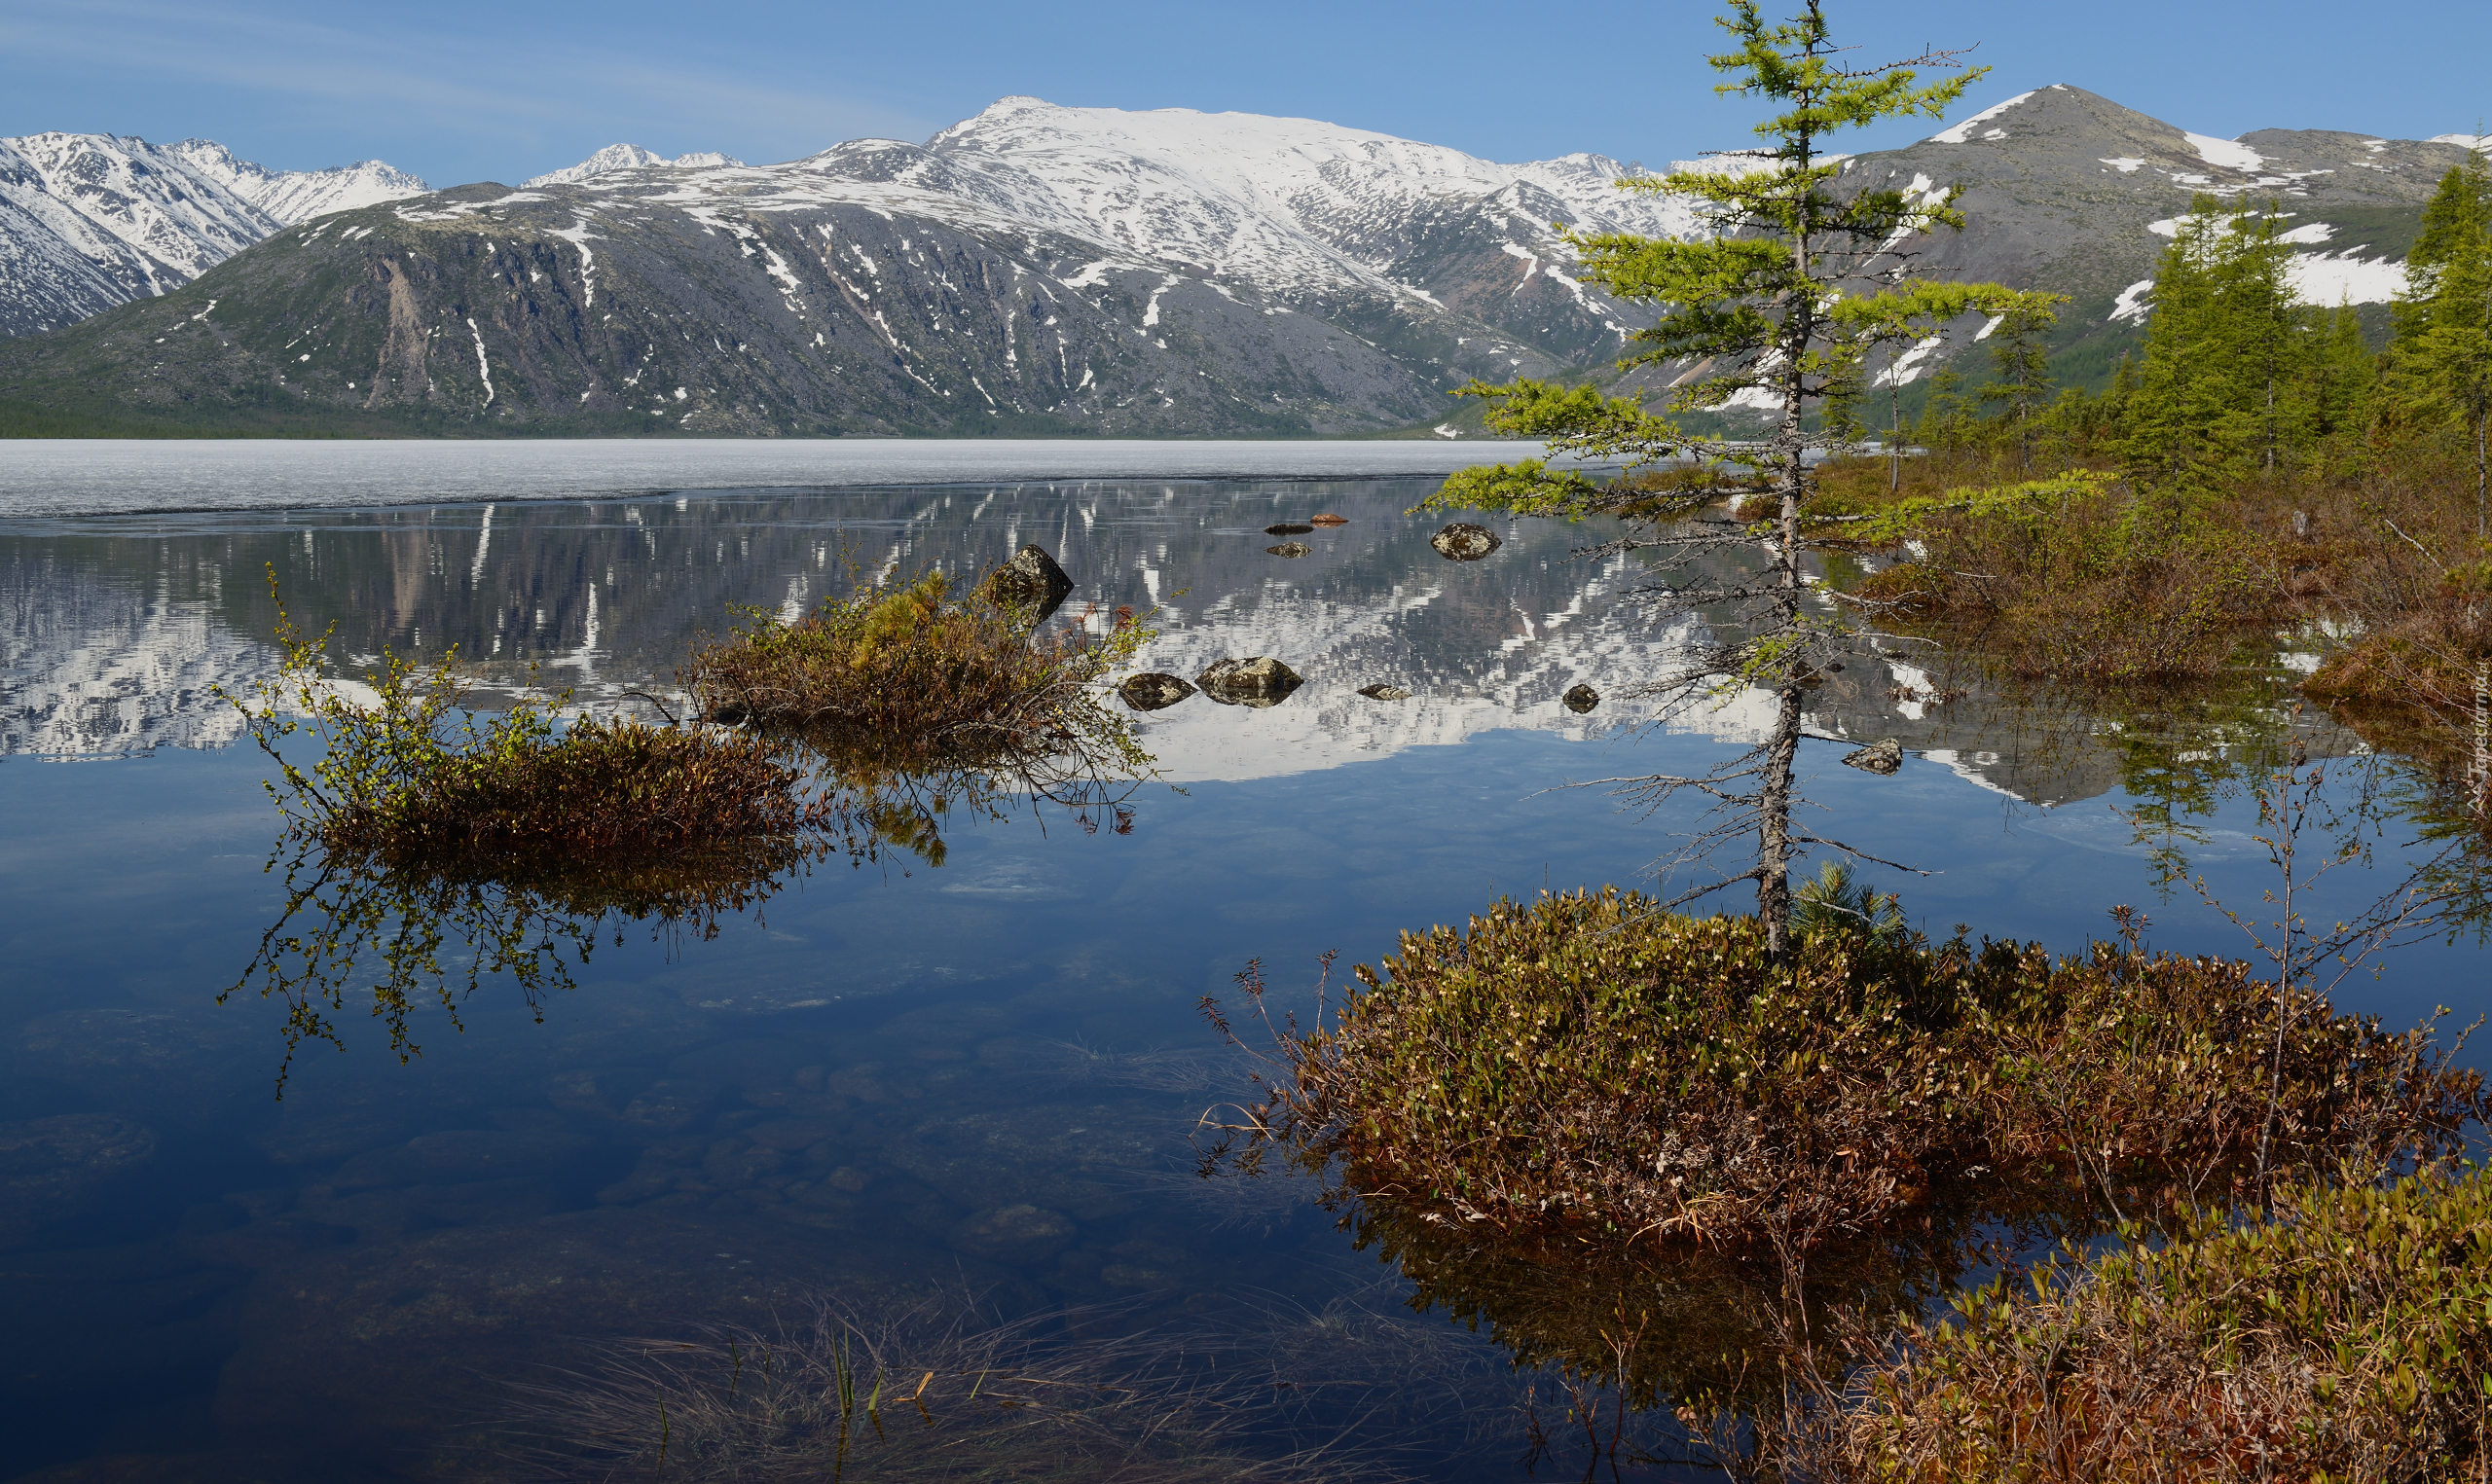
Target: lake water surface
977	1079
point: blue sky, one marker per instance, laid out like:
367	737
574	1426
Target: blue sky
459	91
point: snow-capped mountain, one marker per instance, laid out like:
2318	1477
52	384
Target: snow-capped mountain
627	157
90	221
1045	270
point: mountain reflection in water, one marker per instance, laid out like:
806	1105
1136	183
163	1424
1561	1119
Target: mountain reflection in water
116	630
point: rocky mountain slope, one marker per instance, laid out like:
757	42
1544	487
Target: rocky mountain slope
1041	269
90	221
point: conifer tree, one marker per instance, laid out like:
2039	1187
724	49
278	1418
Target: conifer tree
1888	327
2019	364
1753	305
2445	320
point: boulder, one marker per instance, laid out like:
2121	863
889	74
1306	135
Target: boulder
1881	758
1030	577
1580	698
1255	676
1381	692
1329	519
1290	549
1287	529
1154	691
1463	541
1017	1235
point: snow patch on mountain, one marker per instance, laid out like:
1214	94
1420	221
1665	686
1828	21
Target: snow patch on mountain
2463	141
2226	153
294	197
1963	134
630	156
2328	280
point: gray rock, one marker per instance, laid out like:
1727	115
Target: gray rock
1258	681
1031	577
1290	549
1385	693
1880	758
1154	691
49	1166
1580	698
1463	541
1015	1234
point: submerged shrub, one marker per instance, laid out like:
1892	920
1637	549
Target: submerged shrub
1590	1066
2345	1338
919	665
407	771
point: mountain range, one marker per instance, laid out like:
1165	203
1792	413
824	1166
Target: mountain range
1035	270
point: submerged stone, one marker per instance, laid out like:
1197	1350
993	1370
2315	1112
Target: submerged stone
1019	1233
1463	541
1154	691
1880	758
1580	698
1382	692
49	1166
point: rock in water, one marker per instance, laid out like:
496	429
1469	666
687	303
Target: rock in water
1286	530
1880	758
1330	519
1256	683
1154	691
1290	549
1385	693
1463	541
1580	698
1031	577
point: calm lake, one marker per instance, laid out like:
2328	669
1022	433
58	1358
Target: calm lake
973	1083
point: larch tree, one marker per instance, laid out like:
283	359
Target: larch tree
2445	320
1753	308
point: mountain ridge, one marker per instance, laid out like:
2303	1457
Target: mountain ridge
1045	270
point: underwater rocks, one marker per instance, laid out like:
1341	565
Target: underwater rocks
1235	682
460	1156
50	1166
1018	1235
1463	541
1580	698
1154	691
1290	549
1880	758
1031	577
1385	693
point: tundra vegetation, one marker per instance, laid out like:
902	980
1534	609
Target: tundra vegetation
444	844
1732	1173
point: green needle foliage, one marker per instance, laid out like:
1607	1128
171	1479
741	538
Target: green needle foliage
1795	278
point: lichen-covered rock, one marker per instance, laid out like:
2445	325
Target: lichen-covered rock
1463	541
1878	758
1290	549
1381	692
1580	698
1255	673
1031	577
1154	691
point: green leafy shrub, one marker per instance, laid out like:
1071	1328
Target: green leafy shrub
919	662
407	771
2349	1337
1590	1066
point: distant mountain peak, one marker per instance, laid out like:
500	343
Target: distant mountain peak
630	156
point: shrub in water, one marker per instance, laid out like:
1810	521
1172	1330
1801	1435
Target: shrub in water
2344	1339
1590	1066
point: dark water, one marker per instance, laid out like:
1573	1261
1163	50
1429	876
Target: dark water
978	1079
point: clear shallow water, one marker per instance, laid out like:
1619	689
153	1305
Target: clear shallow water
858	1092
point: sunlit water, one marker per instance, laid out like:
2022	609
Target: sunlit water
982	1078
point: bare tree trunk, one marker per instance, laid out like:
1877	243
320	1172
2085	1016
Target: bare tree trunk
1782	749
